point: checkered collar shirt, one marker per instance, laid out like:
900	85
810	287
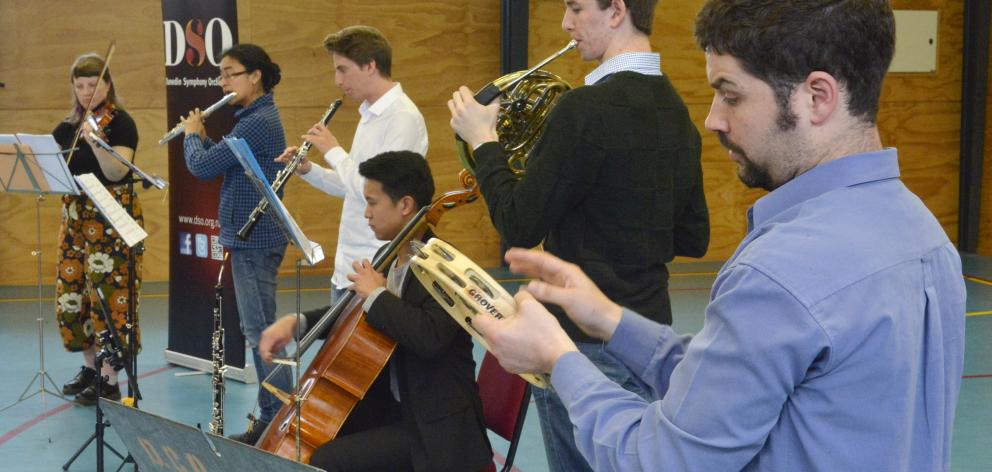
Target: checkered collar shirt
647	63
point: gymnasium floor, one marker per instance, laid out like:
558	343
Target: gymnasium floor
42	433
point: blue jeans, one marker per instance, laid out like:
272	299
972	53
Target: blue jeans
557	429
254	272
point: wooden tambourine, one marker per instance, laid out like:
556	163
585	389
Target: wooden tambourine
464	289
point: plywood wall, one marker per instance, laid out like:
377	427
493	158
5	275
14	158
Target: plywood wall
438	45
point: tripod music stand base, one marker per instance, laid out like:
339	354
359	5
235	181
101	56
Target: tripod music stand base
43	376
83	448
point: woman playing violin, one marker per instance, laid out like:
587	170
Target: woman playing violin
91	253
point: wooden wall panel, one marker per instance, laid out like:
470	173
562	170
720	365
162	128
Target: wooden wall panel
438	46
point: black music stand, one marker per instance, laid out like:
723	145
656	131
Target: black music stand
33	164
113	351
312	252
133	251
162	445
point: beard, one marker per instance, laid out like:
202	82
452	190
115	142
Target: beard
751	174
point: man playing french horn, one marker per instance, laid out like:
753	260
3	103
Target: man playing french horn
613	185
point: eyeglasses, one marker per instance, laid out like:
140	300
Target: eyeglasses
231	76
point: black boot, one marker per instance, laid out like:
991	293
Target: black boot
88	396
83	379
254	433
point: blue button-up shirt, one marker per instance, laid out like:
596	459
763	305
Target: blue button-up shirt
834	340
259	124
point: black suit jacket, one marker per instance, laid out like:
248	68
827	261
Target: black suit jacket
436	377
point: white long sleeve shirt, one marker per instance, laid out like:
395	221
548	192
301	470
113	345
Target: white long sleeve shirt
392	123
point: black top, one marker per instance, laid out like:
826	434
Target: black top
614	185
120	132
436	378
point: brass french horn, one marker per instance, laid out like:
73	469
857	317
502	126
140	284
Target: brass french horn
526	98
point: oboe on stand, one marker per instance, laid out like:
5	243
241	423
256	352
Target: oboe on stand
283	176
217	354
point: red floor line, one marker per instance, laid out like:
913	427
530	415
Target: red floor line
979	376
59	409
27	425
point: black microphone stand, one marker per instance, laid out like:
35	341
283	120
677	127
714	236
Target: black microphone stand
112	351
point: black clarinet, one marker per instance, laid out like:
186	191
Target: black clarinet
283	176
217	352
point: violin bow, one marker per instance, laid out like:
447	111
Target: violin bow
87	112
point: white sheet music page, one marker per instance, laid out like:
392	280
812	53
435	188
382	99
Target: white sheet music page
112	210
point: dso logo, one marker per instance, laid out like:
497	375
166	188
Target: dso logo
194	42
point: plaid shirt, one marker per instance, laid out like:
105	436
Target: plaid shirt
259	124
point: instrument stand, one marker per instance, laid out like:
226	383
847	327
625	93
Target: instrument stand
28	176
112	352
297	398
131	321
147	181
41	376
101	424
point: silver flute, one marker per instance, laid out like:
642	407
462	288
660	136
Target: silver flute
179	128
217	354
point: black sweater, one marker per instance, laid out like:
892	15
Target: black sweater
614	185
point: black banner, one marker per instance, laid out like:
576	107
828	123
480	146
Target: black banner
196	33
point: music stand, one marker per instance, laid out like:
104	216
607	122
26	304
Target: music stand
312	252
147	181
162	445
33	164
131	233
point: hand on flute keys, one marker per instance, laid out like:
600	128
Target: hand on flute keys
193	123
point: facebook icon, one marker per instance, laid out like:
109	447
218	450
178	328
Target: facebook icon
185	244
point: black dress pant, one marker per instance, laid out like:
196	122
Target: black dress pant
372	439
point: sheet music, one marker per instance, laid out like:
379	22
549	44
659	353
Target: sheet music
312	251
112	210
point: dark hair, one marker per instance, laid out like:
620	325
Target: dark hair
362	44
255	58
782	41
401	173
89	65
641	13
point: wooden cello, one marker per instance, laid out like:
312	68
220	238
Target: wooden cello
352	357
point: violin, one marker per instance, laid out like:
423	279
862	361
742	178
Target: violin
100	119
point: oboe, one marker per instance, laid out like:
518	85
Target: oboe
217	352
284	176
179	128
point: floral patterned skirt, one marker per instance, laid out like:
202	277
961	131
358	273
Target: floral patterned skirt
92	255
